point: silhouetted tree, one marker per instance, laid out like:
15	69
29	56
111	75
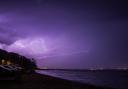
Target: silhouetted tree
26	63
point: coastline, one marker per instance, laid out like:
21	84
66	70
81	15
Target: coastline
39	81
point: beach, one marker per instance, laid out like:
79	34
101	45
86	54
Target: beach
39	81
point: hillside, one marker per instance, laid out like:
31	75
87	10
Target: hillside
8	58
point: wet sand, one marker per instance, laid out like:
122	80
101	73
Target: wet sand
38	81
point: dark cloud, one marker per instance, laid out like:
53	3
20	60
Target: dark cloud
7	36
78	32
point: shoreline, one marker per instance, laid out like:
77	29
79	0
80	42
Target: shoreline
40	81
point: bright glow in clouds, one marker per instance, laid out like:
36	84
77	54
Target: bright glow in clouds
29	46
40	48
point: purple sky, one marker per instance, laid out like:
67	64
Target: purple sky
66	33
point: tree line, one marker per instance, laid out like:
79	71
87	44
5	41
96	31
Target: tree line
12	58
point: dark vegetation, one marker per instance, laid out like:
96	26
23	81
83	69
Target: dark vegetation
16	59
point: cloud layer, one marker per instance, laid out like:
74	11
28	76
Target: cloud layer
66	33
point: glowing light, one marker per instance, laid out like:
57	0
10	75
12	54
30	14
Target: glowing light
44	68
3	61
8	62
31	46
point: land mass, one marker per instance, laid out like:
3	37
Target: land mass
39	81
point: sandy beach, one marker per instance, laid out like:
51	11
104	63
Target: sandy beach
38	81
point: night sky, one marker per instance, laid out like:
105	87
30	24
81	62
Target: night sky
67	33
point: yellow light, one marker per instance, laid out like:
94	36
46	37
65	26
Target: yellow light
3	61
8	62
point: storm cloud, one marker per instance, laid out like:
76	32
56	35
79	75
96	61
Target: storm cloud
66	33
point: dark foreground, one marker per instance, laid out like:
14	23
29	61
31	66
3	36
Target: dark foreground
38	81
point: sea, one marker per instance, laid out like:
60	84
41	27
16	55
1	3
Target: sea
107	78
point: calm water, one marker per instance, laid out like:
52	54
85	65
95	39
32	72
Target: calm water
114	79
